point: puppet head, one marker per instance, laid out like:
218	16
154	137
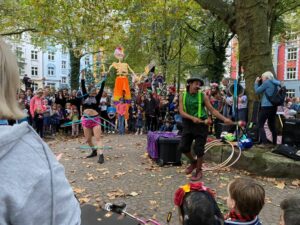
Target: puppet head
119	53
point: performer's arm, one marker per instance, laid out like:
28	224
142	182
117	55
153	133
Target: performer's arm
83	88
216	112
186	115
99	95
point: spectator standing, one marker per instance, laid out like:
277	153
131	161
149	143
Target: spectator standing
34	188
121	110
267	110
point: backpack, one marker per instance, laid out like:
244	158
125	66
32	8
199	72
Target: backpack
278	96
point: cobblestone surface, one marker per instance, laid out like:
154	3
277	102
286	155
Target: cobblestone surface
129	176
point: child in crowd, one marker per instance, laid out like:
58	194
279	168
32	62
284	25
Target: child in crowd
74	116
246	199
121	110
54	119
39	121
197	205
67	114
111	113
46	116
139	121
290	211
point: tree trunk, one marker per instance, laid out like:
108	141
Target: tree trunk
75	70
255	53
249	20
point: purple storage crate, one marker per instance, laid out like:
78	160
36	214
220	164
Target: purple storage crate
152	142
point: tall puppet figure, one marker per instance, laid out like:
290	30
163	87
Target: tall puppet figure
122	88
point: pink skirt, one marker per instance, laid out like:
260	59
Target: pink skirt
90	122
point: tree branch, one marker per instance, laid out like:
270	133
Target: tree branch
19	31
221	9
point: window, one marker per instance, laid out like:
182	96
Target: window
51	71
63	80
63	64
64	50
34	86
51	56
290	93
34	71
34	55
87	61
292	54
19	52
291	73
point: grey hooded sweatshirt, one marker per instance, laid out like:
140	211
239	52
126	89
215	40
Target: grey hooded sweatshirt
33	186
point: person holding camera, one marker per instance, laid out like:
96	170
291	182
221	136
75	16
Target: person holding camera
265	85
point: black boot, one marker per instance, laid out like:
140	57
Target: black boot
93	154
101	159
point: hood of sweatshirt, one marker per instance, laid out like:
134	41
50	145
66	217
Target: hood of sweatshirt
9	136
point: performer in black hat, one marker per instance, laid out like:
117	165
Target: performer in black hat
192	107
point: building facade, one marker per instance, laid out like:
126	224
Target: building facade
45	67
286	62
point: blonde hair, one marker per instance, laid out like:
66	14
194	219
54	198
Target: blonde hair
9	84
268	75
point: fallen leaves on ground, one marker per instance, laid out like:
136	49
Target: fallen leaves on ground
119	174
84	200
280	184
78	190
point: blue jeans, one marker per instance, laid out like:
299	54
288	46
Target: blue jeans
121	124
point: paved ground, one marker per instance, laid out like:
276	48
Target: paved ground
128	175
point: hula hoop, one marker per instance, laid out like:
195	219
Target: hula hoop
225	163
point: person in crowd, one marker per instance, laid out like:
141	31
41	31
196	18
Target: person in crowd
132	111
139	121
75	100
245	200
216	101
227	108
67	117
290	208
111	113
27	81
37	102
103	111
39	121
74	117
197	205
60	99
61	115
47	95
34	188
150	112
267	110
29	96
192	106
90	118
54	119
46	116
121	110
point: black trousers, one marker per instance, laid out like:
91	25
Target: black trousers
267	113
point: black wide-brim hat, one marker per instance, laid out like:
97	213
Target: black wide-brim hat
192	79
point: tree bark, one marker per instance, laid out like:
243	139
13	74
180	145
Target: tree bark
75	69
